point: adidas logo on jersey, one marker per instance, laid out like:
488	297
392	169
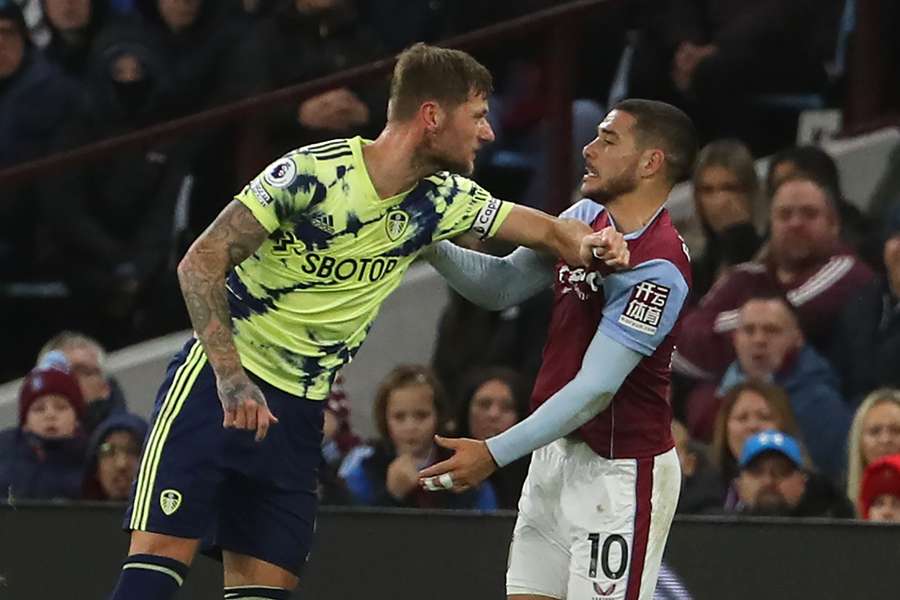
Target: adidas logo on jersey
323	222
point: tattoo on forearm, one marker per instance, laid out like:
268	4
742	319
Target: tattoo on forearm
232	237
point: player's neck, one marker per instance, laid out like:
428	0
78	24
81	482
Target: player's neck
633	210
390	161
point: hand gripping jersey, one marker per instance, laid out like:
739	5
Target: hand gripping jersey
303	303
640	309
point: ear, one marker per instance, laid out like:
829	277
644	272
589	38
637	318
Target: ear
652	162
431	115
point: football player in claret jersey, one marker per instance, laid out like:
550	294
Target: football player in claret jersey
282	289
601	491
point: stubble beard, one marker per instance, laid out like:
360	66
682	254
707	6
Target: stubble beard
614	188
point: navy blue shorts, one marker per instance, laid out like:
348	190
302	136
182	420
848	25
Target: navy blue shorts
199	480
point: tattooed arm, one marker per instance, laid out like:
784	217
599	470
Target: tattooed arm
232	237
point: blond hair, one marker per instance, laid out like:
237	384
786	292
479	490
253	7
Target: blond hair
856	462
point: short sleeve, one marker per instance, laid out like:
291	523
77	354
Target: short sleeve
470	208
584	210
643	304
282	189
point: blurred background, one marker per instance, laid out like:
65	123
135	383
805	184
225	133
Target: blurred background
126	125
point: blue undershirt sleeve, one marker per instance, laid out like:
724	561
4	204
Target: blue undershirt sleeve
606	364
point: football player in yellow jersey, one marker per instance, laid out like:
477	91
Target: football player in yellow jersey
281	290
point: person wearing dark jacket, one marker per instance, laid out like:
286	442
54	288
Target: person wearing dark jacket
73	25
408	411
35	99
43	457
866	349
112	222
774	482
702	489
320	38
113	454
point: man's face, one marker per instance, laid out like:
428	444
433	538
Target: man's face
117	464
68	15
611	159
804	225
463	131
179	14
12	48
85	364
766	334
771	484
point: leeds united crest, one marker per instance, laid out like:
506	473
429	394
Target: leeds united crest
396	222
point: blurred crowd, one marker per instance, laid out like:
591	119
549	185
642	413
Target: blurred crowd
786	386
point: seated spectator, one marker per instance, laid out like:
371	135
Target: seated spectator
73	25
321	37
43	458
85	358
813	162
807	263
770	347
747	409
701	487
493	400
715	57
880	495
726	199
866	345
338	440
875	433
35	99
408	412
113	457
113	223
774	481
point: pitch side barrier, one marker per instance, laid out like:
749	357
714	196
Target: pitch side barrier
54	550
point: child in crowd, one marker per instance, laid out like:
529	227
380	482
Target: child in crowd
43	457
408	412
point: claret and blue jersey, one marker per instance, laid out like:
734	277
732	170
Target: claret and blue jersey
640	309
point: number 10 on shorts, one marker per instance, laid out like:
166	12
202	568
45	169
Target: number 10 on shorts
613	556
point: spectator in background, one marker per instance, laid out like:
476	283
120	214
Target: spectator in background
35	99
807	263
770	347
113	222
813	162
85	358
194	43
866	345
701	487
492	401
320	37
875	433
746	410
402	23
879	498
714	57
774	481
73	26
113	457
726	199
409	411
43	457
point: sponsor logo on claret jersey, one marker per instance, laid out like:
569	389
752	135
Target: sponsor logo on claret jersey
580	281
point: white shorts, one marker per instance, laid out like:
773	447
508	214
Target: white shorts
591	528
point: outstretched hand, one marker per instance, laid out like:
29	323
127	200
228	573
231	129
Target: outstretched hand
607	245
470	464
